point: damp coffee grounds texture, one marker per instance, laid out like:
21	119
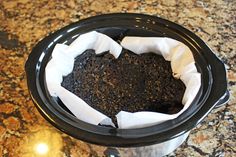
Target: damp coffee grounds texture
130	83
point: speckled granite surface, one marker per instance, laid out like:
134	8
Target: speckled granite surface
24	22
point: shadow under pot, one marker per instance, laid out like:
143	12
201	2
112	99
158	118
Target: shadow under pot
157	140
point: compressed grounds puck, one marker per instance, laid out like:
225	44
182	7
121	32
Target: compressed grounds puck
130	83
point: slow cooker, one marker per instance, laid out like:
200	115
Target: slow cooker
157	140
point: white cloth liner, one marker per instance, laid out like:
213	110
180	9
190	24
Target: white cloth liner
62	62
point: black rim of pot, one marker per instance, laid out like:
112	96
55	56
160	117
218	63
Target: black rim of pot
212	90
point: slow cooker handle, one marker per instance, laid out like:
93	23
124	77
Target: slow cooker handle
223	100
221	84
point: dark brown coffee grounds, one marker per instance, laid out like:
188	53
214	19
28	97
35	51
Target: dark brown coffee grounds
130	83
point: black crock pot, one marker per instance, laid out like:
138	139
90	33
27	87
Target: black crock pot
149	140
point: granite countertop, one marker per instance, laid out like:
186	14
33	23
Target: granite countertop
23	131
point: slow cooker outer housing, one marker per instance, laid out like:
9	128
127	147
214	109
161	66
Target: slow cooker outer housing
213	91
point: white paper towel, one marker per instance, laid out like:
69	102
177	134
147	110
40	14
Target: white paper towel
62	62
183	67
